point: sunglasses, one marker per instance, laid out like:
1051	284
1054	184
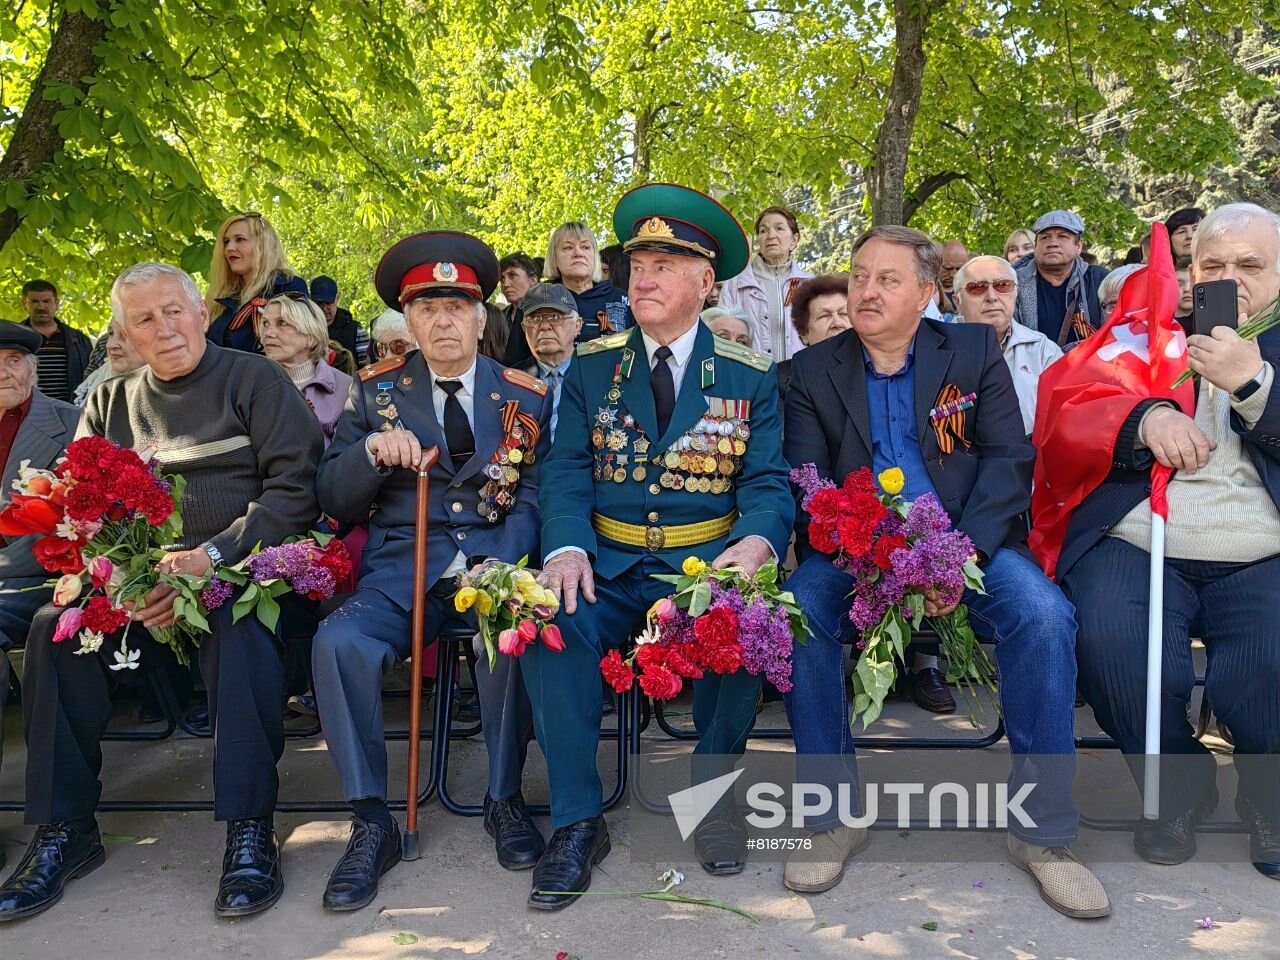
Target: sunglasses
977	288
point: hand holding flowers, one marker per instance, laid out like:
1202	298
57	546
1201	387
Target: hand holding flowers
512	608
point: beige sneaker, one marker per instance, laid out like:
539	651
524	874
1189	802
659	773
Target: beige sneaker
821	866
1065	883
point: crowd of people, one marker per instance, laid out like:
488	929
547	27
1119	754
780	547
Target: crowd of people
560	415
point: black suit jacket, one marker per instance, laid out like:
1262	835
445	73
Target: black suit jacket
1129	481
985	487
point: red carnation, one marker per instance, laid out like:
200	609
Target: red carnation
717	627
58	555
336	559
822	537
885	547
86	502
616	672
858	526
102	617
660	684
860	482
826	505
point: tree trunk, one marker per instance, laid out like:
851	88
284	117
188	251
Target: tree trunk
886	180
640	154
36	138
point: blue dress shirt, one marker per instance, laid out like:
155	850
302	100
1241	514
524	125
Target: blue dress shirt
891	401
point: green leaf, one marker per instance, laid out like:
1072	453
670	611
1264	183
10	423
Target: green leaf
404	939
700	600
119	838
247	601
268	610
929	925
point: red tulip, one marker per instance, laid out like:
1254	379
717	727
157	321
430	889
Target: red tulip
528	630
28	515
510	643
551	638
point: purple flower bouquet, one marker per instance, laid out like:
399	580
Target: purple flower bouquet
900	554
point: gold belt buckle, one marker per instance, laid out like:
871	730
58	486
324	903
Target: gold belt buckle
655	538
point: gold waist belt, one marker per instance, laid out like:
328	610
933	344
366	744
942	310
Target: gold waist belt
661	537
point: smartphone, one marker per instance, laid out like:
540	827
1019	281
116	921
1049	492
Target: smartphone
1214	304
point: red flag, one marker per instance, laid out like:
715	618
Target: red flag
1085	398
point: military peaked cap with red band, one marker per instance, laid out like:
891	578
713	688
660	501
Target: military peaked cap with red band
676	219
438	263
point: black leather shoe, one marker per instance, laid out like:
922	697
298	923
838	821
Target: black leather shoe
370	853
929	691
1172	840
466	708
251	878
516	838
1264	838
57	853
566	866
721	842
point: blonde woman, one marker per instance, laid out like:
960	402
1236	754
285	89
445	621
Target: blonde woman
1020	245
573	259
249	268
294	334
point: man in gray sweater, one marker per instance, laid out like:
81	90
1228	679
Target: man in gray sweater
241	435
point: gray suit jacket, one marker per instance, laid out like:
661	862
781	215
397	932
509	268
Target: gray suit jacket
49	426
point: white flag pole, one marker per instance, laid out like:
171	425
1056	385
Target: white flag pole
1155	671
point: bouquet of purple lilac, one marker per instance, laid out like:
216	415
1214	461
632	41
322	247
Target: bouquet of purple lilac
900	554
312	566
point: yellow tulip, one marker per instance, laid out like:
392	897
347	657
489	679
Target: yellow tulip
892	481
693	567
465	598
484	604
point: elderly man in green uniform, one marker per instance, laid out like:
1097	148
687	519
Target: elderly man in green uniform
670	426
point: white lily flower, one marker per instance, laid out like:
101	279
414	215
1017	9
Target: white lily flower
126	659
90	642
650	634
672	878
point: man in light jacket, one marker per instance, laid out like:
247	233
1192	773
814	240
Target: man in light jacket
986	289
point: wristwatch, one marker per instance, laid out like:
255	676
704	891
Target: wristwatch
215	555
1249	389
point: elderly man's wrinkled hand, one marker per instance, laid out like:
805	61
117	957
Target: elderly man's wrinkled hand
568	574
1175	441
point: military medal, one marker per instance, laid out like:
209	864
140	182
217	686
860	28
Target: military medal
641	445
606	416
408	382
615	440
382	399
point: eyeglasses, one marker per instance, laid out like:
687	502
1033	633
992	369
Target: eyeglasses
397	348
976	288
551	320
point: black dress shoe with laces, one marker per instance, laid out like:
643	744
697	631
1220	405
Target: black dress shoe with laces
929	690
57	853
565	869
721	842
370	853
1264	838
1172	840
518	841
251	878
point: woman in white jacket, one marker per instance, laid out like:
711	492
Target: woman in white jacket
988	293
764	289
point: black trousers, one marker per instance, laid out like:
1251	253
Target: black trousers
67	704
1232	608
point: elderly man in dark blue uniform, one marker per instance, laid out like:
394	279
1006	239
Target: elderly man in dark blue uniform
492	427
668	445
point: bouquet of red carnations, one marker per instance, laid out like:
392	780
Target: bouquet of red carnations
717	620
896	551
105	516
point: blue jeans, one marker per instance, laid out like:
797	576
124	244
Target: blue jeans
1034	629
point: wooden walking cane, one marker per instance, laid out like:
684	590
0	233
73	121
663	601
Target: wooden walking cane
429	458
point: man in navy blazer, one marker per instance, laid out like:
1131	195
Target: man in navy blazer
492	425
866	399
1222	560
